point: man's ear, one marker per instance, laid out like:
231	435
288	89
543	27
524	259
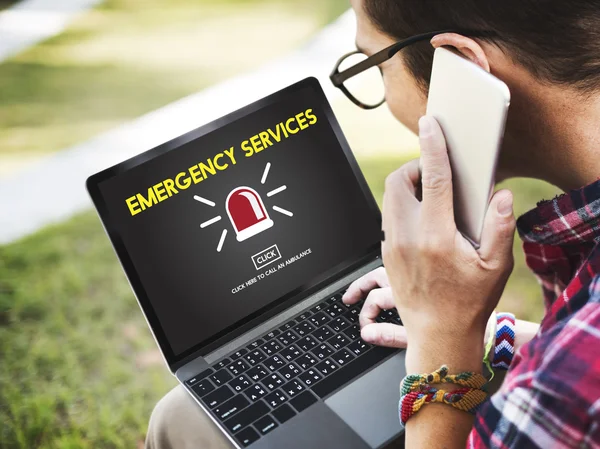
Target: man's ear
465	45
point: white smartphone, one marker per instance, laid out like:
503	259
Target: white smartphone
471	106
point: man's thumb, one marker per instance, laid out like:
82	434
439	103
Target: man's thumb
498	228
384	334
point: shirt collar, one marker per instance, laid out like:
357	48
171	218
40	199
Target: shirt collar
571	218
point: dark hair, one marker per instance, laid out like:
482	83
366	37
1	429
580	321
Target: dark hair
558	41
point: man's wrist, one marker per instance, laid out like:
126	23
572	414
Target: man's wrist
459	354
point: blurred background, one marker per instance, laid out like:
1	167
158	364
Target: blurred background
87	83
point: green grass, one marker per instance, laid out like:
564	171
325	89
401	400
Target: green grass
78	365
126	58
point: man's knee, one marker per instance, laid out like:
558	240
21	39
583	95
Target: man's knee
177	422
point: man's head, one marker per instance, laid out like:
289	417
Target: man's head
543	48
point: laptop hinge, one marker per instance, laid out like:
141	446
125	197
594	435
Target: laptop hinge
276	320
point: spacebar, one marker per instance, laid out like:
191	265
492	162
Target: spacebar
351	370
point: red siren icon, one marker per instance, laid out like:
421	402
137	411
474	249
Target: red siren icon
247	213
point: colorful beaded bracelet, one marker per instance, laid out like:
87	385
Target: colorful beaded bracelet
413	382
465	399
504	349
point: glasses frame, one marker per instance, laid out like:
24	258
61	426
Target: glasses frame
338	78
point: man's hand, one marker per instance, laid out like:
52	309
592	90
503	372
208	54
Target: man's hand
443	288
376	288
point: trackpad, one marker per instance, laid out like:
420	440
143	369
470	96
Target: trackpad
370	404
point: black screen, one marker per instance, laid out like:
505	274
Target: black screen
276	179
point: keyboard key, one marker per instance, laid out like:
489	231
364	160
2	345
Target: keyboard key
338	341
352	315
331	300
322	351
273	381
257	373
222	364
304	316
199	377
339	324
304	328
289	371
247	436
256	344
265	424
303	401
358	347
231	407
382	319
255	357
240	383
271	347
317	308
346	373
287	338
319	319
307	343
335	310
353	332
310	377
238	367
271	335
293	387
221	377
218	396
238	354
247	416
275	399
326	367
283	413
203	387
274	363
255	392
306	361
287	326
342	357
322	334
290	353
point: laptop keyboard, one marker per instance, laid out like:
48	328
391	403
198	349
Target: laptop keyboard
261	386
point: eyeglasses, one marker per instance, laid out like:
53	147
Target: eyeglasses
367	90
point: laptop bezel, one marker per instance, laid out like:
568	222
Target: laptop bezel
93	186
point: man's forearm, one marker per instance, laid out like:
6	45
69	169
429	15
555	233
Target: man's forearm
524	332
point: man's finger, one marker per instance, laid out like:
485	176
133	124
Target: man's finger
384	334
360	288
436	176
377	300
498	229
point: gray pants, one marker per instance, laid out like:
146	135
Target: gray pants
177	422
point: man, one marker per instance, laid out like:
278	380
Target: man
548	53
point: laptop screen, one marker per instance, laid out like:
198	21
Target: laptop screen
228	223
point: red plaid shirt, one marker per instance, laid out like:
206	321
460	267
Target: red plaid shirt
550	397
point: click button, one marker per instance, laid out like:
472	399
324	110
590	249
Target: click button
266	256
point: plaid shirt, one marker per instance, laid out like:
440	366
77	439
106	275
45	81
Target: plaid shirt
550	397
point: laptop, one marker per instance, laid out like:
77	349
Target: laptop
239	239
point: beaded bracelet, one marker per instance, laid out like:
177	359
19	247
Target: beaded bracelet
413	382
416	391
505	341
465	399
